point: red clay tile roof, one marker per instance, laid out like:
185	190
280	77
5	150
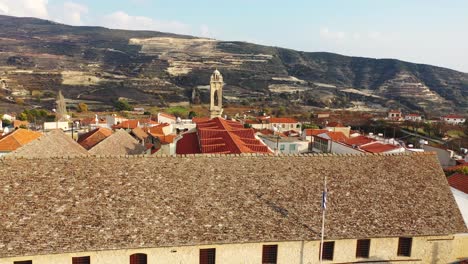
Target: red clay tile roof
228	137
459	181
314	132
139	133
17	138
335	124
282	120
453	116
359	140
335	136
200	119
158	129
92	120
166	115
128	124
378	147
188	144
413	115
93	137
252	122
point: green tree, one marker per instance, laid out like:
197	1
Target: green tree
123	105
192	114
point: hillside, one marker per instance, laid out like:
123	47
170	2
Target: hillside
98	65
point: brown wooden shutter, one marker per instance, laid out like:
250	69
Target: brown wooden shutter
138	258
363	248
270	254
81	260
328	250
404	246
208	256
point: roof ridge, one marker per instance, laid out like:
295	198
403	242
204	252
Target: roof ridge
210	155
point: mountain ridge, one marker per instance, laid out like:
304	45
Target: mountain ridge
39	57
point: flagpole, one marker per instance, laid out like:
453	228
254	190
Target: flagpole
324	206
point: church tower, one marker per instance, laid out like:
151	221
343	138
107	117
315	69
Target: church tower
216	94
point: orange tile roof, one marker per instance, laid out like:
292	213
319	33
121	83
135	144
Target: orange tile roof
378	147
335	124
139	133
200	119
128	124
93	137
17	139
314	132
223	136
283	120
359	140
335	136
459	181
165	139
168	115
158	129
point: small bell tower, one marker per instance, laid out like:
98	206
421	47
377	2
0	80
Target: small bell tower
216	94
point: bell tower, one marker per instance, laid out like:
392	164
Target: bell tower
216	94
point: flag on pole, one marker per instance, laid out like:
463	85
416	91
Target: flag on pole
324	199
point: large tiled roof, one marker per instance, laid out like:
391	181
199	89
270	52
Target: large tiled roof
93	137
119	143
188	144
377	147
98	203
16	139
287	120
459	181
228	137
51	144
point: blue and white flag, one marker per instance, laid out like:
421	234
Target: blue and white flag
324	199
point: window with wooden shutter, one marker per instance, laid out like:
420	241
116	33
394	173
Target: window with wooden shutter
328	249
404	246
23	262
81	260
138	258
363	248
270	254
208	256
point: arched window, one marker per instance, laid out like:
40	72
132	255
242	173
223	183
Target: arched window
138	258
216	99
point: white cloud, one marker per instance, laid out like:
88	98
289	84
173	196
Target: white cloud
74	13
24	8
205	31
333	35
122	20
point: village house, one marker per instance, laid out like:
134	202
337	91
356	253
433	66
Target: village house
93	137
338	127
459	185
453	119
285	144
274	123
220	136
395	115
444	155
228	209
165	140
119	143
16	139
413	117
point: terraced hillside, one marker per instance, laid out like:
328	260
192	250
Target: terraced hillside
99	65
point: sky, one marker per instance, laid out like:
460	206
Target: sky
423	31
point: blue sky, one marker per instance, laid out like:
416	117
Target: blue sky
430	31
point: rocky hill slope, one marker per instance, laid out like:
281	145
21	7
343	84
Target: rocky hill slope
98	66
